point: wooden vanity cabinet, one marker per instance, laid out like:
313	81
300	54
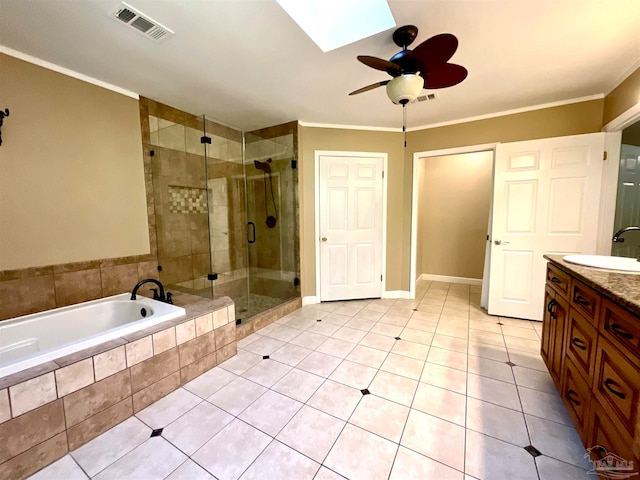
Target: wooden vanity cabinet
591	347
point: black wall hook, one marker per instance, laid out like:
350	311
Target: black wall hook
3	113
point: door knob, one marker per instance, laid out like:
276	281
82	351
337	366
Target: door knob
500	242
324	239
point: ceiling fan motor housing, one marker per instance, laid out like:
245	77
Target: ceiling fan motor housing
405	88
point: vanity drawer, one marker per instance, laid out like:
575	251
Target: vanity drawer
580	343
616	385
577	397
558	279
603	432
585	300
622	328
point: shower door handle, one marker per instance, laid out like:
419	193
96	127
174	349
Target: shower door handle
252	238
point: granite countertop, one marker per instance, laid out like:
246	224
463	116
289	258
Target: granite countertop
621	288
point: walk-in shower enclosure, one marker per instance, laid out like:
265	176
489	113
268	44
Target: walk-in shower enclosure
226	211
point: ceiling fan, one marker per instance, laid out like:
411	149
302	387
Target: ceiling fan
426	66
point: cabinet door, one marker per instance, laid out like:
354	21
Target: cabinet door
560	312
577	397
548	323
580	343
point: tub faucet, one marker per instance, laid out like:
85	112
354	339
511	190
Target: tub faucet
617	237
156	296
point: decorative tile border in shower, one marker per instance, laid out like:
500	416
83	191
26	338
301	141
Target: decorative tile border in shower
187	200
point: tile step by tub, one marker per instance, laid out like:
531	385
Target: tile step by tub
52	409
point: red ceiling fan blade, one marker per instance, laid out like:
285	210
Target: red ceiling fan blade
378	63
436	50
443	75
369	87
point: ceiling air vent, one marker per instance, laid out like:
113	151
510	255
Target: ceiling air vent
141	23
426	98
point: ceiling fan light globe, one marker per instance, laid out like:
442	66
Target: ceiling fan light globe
405	88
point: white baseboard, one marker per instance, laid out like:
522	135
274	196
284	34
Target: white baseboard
396	294
448	279
310	300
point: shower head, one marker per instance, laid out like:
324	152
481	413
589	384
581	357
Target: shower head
264	166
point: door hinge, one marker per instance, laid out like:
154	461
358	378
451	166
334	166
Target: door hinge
382	173
604	155
205	139
294	163
380	277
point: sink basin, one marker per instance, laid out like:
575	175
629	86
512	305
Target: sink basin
624	264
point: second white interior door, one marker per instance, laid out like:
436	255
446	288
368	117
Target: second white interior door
350	223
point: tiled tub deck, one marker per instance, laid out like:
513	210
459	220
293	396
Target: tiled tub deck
56	407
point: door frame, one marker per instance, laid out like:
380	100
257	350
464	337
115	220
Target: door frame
316	226
414	198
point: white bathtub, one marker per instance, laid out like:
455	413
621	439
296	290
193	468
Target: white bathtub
37	338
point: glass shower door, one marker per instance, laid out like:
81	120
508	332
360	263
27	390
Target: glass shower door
271	191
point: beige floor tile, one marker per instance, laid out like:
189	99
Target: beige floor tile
489	458
232	450
352	335
282	333
534	379
380	416
325	474
267	372
411	349
440	403
490	368
271	412
371	357
493	391
391	319
336	399
298	384
435	438
492	352
241	362
196	427
113	444
319	364
394	387
290	354
410	465
447	358
445	377
361	455
360	324
381	342
487	337
336	318
353	375
552	469
386	329
417	336
531	360
450	343
190	470
336	347
167	409
237	395
155	458
309	340
65	468
311	432
324	328
557	441
264	346
496	421
278	462
404	366
210	382
544	405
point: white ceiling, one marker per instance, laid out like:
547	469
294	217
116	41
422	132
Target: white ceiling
246	63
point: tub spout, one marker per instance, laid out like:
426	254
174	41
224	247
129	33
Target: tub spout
156	296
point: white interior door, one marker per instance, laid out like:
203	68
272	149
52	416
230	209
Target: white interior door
350	227
545	201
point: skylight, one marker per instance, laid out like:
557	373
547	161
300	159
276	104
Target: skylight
332	24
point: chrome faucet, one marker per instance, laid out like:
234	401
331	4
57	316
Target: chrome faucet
617	237
156	296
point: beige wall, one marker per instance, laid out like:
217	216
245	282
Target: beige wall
453	214
312	139
573	119
622	98
72	182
